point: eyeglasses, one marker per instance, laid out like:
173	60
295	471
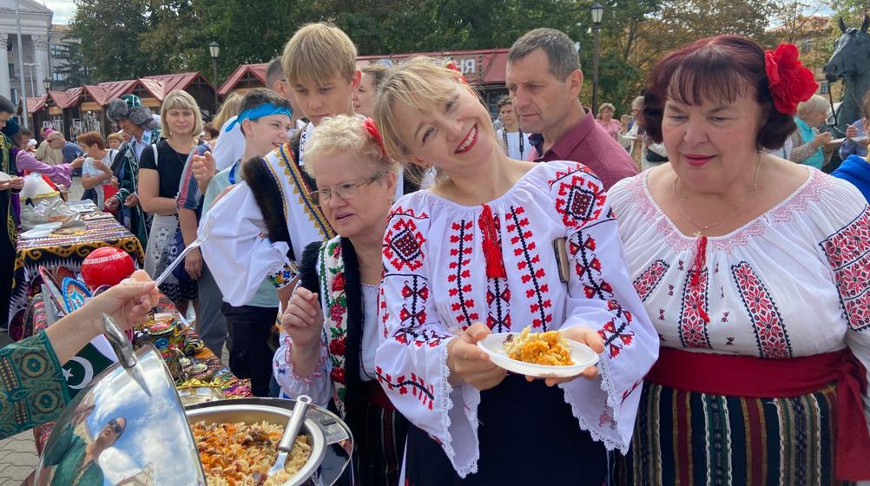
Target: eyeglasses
345	191
116	427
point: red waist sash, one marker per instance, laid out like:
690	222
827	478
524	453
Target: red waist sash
747	376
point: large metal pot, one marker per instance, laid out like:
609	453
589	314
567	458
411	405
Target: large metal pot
133	421
330	438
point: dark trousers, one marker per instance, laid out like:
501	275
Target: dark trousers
250	356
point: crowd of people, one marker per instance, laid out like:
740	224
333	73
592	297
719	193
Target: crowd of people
389	228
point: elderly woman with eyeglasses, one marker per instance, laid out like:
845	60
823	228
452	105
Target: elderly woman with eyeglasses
330	327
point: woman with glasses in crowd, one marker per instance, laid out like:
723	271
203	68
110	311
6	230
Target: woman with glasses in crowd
330	327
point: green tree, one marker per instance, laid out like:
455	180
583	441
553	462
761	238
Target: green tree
109	33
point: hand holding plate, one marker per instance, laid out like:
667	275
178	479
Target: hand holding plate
469	363
581	335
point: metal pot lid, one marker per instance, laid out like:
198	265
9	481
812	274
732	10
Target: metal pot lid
135	435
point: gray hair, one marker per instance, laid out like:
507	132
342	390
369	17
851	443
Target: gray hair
118	110
555	43
816	104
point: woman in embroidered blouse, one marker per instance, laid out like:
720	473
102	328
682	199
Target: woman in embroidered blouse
333	358
754	271
42	391
494	223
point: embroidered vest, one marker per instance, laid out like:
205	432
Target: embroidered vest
333	290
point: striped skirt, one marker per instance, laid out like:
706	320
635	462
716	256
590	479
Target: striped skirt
688	438
380	446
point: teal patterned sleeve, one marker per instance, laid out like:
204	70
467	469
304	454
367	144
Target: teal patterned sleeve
32	387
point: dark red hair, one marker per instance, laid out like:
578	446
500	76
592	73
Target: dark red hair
720	68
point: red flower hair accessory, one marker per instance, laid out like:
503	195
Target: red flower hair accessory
452	66
375	134
789	81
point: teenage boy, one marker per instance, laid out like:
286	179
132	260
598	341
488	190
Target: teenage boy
319	62
265	121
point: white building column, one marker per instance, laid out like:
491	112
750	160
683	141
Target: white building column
40	51
5	81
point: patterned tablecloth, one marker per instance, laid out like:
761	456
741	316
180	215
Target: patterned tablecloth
67	248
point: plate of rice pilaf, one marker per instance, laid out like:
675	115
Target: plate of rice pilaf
538	354
238	453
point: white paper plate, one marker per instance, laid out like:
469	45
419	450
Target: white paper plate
4	176
83	208
36	233
49	226
581	354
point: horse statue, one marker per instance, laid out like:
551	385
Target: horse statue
850	62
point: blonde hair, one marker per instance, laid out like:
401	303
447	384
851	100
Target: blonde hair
115	136
231	107
343	133
317	52
179	100
816	104
605	106
420	83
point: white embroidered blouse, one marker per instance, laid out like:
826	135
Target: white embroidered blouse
433	286
238	252
793	282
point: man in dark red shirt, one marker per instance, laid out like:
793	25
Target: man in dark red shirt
544	80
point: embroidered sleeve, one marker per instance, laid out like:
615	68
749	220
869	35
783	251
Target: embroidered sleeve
601	296
238	253
411	361
33	388
848	253
316	385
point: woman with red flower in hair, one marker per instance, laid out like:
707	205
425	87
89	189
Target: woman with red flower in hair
754	271
330	326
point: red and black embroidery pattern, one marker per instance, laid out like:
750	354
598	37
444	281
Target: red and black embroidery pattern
461	240
526	249
498	303
403	243
580	196
693	326
424	393
848	252
650	278
616	333
770	334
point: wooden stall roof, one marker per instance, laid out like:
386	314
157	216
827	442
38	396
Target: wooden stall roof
249	72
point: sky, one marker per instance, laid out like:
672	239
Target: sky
63	10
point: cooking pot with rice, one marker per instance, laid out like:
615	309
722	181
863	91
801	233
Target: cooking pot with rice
128	426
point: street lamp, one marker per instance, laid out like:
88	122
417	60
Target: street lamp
215	50
597	12
46	83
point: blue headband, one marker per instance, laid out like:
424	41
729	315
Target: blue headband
258	112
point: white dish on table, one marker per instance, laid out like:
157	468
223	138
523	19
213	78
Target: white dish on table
36	233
